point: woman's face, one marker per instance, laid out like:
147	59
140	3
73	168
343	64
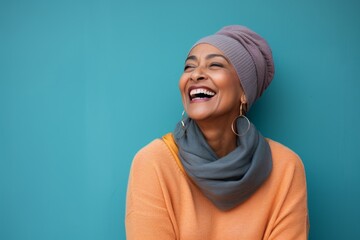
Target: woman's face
209	86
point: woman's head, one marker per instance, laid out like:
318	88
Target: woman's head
248	57
209	86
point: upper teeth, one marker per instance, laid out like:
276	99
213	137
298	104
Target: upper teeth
201	90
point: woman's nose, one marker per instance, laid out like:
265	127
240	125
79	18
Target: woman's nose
198	74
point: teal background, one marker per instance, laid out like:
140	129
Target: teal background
86	84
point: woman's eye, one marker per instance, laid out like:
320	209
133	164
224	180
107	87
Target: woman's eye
216	65
187	67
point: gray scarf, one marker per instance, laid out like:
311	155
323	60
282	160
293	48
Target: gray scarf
230	180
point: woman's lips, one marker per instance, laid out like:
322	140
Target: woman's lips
200	94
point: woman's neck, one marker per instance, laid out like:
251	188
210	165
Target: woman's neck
219	137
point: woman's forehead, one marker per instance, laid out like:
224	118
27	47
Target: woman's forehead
204	49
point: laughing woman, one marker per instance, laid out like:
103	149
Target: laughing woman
215	176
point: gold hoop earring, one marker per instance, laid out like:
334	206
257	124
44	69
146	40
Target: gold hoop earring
235	120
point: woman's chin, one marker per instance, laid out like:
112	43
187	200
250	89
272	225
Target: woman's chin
199	116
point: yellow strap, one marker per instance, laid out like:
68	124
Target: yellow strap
170	142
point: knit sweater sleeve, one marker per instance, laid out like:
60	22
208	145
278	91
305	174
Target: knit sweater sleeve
292	219
147	217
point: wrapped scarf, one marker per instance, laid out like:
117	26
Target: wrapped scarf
230	180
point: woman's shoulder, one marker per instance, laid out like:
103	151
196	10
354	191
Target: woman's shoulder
155	160
283	155
154	154
153	149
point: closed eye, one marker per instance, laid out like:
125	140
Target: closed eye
216	64
187	67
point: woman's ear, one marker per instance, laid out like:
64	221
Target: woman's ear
243	99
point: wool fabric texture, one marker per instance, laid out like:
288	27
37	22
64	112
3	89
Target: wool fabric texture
250	55
230	180
162	202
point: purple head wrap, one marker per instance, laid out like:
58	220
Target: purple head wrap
250	55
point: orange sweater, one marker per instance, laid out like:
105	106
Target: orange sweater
164	204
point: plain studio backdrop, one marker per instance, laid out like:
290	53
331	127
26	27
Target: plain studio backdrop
85	84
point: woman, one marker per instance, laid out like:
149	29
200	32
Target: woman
216	176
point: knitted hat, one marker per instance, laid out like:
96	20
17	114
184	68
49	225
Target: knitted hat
250	55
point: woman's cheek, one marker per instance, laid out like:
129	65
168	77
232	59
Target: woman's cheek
182	85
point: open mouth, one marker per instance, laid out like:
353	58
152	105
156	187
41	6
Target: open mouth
201	94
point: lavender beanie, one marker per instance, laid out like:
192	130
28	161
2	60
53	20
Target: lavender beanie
250	55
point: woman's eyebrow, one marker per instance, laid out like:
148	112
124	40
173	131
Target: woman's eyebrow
216	55
191	57
212	55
